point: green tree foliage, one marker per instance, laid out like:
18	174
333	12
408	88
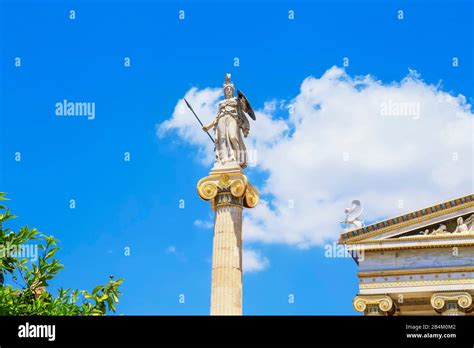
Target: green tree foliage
28	292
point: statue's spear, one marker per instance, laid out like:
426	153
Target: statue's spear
197	118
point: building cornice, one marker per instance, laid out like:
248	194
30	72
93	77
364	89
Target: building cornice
373	274
375	285
447	237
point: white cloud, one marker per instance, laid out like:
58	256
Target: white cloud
406	140
171	249
253	261
203	224
204	103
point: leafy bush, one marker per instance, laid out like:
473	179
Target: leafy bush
28	294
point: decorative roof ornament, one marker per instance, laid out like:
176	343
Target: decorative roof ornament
353	215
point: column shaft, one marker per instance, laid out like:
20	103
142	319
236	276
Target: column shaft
226	290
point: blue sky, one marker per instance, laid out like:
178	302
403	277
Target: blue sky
136	204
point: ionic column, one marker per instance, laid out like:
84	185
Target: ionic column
374	305
452	303
226	289
229	193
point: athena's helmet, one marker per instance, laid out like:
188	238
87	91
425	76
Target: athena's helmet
228	87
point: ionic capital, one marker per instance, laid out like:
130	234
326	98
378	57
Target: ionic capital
374	304
452	303
228	189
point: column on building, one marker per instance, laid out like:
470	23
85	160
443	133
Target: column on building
374	305
452	303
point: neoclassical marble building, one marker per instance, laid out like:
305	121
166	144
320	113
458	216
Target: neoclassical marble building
420	263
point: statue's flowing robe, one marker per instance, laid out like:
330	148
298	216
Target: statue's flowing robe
230	146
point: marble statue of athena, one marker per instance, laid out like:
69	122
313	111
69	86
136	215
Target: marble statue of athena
229	125
229	191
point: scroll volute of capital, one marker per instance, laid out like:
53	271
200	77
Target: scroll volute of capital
234	183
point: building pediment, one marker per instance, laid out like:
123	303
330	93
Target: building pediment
442	225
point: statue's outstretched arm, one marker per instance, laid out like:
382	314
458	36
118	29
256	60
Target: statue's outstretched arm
209	126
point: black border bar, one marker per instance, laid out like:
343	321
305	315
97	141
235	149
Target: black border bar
288	330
